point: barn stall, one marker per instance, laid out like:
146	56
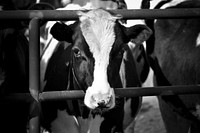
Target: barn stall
34	63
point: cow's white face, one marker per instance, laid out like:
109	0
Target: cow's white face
98	30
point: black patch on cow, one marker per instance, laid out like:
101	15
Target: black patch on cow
62	32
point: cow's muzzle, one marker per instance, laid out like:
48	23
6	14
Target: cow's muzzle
102	100
99	99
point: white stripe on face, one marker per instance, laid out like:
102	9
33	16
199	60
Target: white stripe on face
97	27
198	40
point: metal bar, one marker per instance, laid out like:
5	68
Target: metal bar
61	95
125	92
159	90
34	122
34	72
34	56
127	14
34	125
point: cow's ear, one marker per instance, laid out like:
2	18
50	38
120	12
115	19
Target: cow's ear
138	33
62	32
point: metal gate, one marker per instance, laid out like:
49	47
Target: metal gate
34	63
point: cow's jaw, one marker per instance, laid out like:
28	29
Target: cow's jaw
99	35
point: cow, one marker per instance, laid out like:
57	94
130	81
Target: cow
174	58
92	56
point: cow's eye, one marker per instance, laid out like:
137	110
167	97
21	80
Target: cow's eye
77	52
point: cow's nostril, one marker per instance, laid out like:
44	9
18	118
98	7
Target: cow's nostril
102	104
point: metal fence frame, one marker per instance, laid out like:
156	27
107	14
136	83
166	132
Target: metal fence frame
34	63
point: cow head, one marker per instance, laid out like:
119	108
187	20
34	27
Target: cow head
98	43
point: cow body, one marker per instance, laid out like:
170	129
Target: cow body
95	59
177	51
14	67
14	70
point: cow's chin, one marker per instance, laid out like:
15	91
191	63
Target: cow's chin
99	111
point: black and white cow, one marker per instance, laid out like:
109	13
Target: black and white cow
176	52
92	56
49	44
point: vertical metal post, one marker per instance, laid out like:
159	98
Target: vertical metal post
34	72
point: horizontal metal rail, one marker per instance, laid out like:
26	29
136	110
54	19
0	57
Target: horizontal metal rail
127	14
124	92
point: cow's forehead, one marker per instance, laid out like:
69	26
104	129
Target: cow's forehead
97	27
